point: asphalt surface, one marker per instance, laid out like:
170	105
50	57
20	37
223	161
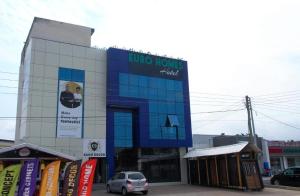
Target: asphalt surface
189	190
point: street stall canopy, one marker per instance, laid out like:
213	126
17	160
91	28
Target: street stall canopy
231	166
222	150
27	151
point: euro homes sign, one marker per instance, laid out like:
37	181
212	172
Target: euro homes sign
156	66
94	148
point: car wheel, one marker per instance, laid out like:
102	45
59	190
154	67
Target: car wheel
124	191
145	192
108	189
276	182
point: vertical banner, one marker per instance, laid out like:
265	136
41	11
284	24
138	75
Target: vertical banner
70	109
28	177
70	185
86	177
49	184
8	180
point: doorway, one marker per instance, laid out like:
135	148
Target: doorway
100	171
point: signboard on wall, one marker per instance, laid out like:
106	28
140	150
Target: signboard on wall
94	148
156	66
70	109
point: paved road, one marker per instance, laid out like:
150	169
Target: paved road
188	190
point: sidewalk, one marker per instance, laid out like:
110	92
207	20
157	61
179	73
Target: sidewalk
99	186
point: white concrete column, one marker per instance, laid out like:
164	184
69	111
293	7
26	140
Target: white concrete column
285	163
183	166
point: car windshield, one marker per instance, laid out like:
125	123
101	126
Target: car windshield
135	176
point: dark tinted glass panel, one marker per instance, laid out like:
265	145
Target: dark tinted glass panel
161	164
122	176
297	171
135	176
126	159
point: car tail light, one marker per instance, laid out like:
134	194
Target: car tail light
128	182
146	184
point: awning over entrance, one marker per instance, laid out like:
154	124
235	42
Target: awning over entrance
27	151
222	150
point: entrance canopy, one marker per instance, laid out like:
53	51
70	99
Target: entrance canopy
222	150
28	151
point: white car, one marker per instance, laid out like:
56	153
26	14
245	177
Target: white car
128	182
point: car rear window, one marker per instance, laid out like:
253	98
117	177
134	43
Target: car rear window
135	176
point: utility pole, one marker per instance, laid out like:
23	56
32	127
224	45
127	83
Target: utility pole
252	122
249	111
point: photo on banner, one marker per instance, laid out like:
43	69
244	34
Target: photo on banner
70	109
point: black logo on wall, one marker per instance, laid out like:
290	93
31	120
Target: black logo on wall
93	146
155	66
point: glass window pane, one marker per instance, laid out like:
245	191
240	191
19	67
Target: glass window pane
173	120
123	78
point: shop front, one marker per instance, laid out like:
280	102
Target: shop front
283	155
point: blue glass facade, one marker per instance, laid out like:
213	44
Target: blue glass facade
152	92
165	97
123	129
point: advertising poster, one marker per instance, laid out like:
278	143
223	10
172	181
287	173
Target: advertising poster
94	148
70	109
49	183
28	177
70	185
86	177
8	180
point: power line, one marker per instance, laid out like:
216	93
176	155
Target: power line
280	109
279	121
217	94
279	93
6	72
218	111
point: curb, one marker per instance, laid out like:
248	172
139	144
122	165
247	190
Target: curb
283	187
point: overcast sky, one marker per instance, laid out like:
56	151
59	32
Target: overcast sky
233	49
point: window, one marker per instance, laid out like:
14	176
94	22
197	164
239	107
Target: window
164	97
297	171
121	176
123	79
116	176
288	172
123	129
135	176
172	121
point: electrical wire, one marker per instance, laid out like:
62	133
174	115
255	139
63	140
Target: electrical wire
219	111
276	120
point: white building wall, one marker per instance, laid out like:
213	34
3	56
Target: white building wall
47	57
61	32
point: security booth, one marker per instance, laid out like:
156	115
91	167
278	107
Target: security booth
232	166
18	153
